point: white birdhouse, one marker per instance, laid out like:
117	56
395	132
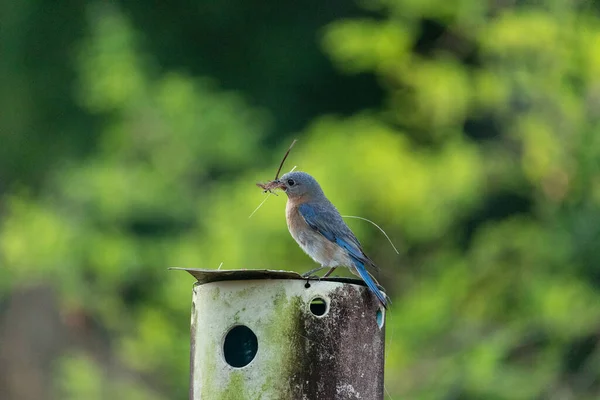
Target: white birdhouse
273	335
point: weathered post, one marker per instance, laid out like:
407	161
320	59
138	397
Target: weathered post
259	334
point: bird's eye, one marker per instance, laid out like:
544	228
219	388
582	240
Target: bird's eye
291	182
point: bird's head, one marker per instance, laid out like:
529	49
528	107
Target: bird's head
299	184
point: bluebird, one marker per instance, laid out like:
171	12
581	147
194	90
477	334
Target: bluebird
318	227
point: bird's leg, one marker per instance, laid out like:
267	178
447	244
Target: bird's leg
329	272
312	271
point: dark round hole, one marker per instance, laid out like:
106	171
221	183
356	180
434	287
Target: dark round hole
307	285
318	306
240	346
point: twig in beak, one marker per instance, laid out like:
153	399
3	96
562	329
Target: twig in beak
284	157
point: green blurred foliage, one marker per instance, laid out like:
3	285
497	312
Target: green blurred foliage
482	162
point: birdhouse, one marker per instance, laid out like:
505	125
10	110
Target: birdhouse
260	334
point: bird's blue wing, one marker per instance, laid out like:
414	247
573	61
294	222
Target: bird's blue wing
316	220
330	224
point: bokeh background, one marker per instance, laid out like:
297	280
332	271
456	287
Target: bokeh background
132	133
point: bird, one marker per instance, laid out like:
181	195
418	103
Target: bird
319	229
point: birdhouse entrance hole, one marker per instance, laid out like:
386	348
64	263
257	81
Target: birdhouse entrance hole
318	306
240	346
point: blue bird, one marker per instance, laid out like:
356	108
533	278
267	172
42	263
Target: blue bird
318	227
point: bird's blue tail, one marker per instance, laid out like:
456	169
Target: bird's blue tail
362	271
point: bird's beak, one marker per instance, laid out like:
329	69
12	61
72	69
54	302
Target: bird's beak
279	185
276	184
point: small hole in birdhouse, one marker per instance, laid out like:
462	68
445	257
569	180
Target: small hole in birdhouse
380	318
240	346
318	306
307	285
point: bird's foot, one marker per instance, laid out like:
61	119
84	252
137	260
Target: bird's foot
311	277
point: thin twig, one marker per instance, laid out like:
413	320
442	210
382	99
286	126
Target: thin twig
388	393
270	193
260	205
284	157
378	227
